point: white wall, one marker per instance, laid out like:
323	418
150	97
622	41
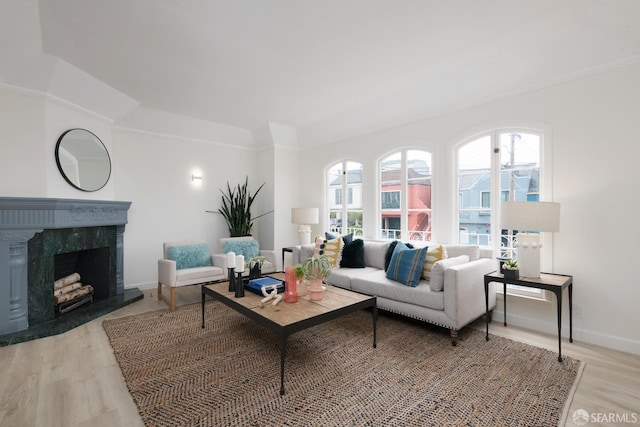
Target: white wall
595	175
154	172
23	163
57	120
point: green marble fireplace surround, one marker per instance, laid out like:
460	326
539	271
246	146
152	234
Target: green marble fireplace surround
34	233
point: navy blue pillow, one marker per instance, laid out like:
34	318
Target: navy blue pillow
406	265
390	249
353	254
347	238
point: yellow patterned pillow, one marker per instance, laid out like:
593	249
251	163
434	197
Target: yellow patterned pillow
434	254
333	249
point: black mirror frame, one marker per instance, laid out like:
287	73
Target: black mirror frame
62	172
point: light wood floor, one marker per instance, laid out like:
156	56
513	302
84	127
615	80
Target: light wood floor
73	379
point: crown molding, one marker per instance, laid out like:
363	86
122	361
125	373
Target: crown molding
44	96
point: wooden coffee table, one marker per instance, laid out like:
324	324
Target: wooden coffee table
295	317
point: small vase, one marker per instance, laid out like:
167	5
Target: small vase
254	272
511	274
303	287
316	289
290	285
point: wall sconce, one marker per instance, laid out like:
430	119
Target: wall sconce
196	177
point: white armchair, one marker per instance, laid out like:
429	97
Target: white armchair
186	263
238	245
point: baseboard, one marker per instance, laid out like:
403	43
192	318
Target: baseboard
550	326
151	285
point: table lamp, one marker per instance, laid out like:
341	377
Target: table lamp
525	217
304	217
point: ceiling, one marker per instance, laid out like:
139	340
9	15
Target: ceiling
222	70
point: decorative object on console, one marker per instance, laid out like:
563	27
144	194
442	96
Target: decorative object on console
304	217
290	285
510	269
525	217
236	208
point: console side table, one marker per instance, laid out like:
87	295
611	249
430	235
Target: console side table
555	283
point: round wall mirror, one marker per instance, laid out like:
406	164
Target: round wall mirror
83	160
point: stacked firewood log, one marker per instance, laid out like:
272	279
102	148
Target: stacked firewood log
69	288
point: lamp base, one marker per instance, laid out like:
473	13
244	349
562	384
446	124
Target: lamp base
305	234
528	246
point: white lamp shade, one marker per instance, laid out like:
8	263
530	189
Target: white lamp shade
305	216
530	216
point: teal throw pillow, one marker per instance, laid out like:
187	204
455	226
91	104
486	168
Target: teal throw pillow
406	265
190	256
247	248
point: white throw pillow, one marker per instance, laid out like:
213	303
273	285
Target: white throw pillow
437	272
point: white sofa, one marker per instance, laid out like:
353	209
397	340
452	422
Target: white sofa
200	271
460	302
220	258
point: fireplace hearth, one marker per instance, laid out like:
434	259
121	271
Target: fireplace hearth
43	239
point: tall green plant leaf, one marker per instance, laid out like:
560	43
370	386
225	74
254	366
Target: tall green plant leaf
236	208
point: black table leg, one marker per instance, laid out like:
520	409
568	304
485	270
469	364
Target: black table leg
504	299
559	303
283	352
570	312
486	304
375	320
202	303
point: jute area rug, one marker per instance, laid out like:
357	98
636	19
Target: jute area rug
228	374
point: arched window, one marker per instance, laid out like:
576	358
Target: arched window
499	166
405	195
503	165
344	198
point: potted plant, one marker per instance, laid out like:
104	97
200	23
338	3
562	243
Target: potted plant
510	268
236	208
255	266
316	269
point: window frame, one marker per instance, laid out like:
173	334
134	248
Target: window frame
404	181
346	205
496	198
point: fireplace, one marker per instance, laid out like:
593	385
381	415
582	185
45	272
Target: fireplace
42	240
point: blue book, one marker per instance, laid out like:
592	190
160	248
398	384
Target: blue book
256	285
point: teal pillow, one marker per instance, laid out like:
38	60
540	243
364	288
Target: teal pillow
247	248
406	265
190	256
